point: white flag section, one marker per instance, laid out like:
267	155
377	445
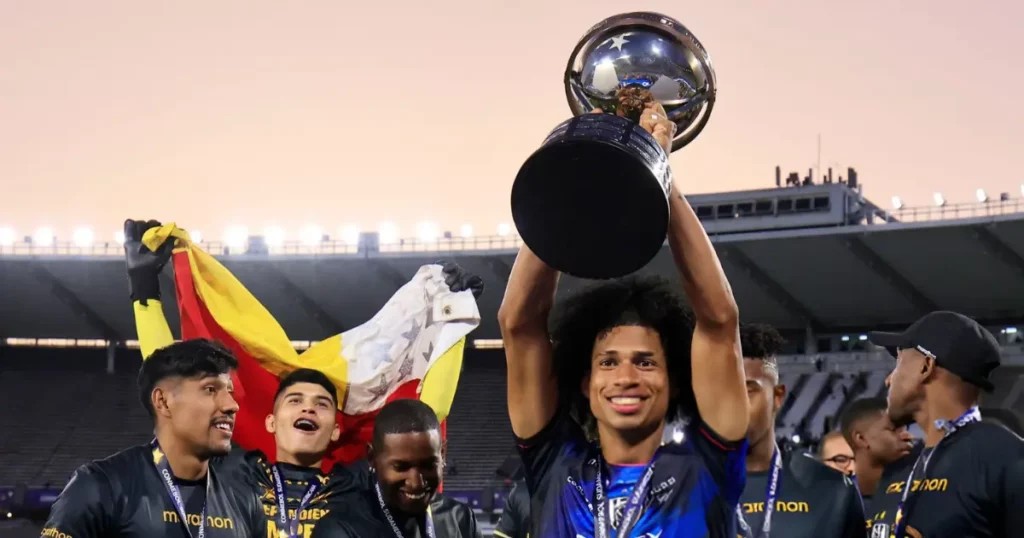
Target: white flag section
404	339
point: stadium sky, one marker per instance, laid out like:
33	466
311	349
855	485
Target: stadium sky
333	112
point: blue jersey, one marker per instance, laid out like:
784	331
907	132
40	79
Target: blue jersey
694	492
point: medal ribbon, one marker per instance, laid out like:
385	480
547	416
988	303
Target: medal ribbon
163	467
950	427
391	520
772	492
283	524
634	506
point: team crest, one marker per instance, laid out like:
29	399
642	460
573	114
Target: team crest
618	506
880	530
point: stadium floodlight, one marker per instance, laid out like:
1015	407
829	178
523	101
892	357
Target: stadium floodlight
504	229
7	236
273	236
897	202
350	234
119	237
466	230
312	235
427	231
387	232
939	199
845	338
82	237
43	237
236	236
980	193
1010	330
863	338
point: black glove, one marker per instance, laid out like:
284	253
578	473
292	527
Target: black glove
144	265
459	280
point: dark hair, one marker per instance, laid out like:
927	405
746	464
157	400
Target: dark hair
187	359
307	375
858	410
579	320
403	416
760	341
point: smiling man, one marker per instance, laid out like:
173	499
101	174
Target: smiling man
168	487
401	500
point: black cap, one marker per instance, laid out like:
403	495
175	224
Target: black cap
957	342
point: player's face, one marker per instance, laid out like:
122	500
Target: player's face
906	389
408	469
886	442
765	397
202	413
628	385
304	421
837	454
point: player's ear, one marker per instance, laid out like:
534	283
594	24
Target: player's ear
160	400
336	433
585	385
270	424
779	394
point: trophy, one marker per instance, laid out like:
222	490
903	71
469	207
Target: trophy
592	202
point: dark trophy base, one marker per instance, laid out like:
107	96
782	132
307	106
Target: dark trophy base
592	202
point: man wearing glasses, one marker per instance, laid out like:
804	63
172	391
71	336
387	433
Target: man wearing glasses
835	452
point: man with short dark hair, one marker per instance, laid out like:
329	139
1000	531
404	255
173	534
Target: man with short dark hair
968	479
515	516
834	451
168	487
401	499
876	442
787	494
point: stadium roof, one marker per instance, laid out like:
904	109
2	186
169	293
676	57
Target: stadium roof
855	277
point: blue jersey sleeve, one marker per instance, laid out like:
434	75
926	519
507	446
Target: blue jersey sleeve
725	460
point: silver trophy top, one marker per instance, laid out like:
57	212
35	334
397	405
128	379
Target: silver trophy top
643	55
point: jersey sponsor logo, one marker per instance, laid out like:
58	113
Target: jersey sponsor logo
309	514
930	484
780	506
52	532
171	517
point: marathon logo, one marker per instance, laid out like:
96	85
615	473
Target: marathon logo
171	516
52	532
780	506
932	484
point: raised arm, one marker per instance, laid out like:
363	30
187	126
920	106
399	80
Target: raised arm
717	363
143	267
523	318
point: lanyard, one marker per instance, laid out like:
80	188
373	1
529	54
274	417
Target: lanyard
283	525
634	506
163	467
950	427
391	520
772	492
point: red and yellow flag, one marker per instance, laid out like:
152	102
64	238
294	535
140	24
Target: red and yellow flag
412	347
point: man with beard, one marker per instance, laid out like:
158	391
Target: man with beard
168	487
400	499
877	444
968	478
515	517
791	495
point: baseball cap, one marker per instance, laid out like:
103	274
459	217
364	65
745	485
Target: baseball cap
958	343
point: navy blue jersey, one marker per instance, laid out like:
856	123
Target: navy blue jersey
694	492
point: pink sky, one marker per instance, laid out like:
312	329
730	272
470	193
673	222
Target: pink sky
334	112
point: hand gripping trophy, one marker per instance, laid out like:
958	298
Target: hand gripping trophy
592	202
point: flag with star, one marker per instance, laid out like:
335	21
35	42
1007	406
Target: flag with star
412	347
